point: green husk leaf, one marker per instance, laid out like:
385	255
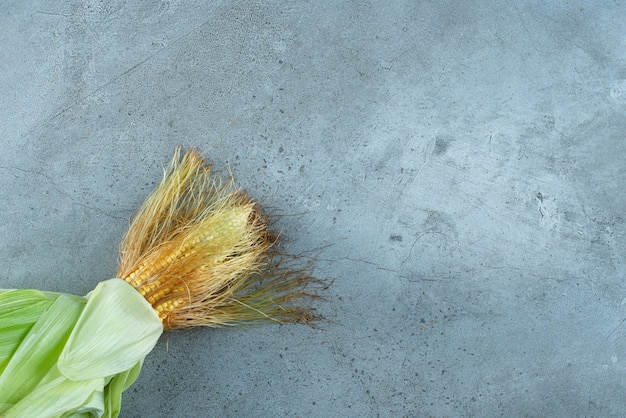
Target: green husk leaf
14	326
67	356
12	300
117	329
39	350
56	397
117	385
19	310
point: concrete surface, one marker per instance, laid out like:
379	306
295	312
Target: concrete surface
459	167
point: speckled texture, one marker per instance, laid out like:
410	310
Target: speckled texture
457	167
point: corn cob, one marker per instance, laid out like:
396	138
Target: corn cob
198	253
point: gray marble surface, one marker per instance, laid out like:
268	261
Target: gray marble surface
458	168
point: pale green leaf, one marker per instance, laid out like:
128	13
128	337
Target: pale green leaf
116	330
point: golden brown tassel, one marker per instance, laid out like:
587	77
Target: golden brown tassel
201	253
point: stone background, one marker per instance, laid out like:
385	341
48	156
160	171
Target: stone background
458	168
